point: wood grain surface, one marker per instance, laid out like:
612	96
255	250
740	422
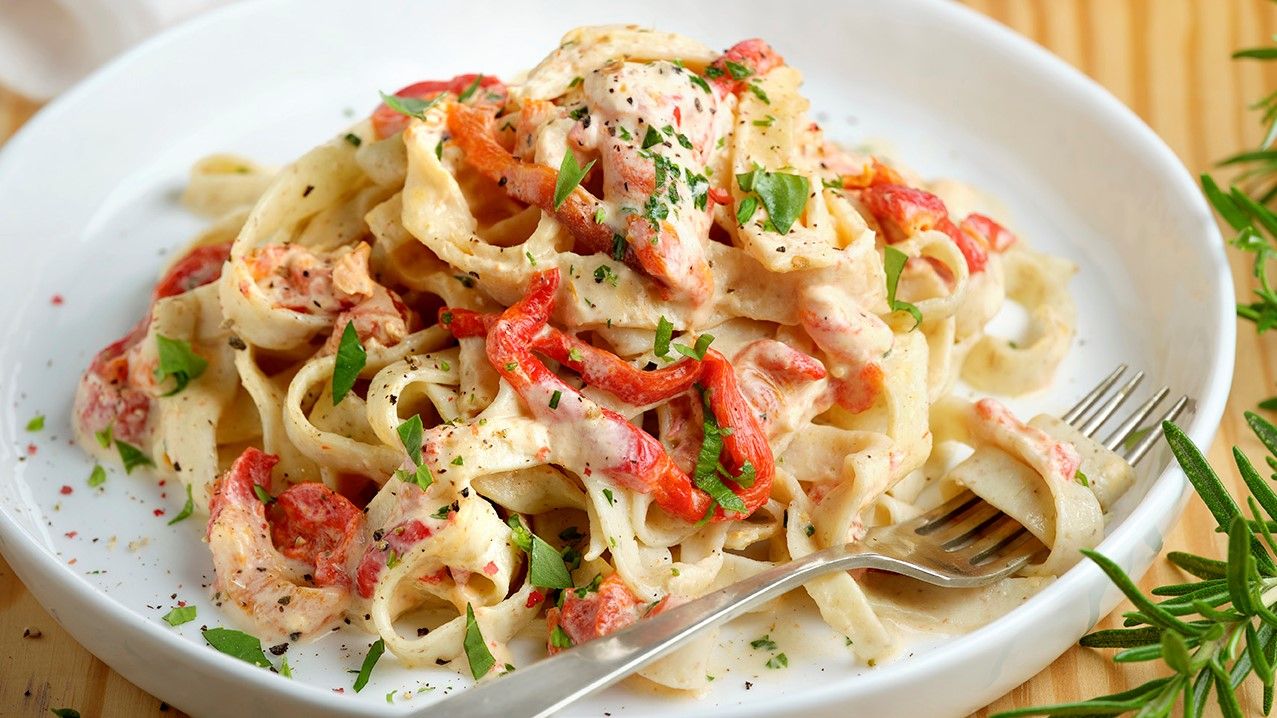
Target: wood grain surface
1166	59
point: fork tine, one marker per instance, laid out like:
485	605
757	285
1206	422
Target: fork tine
942	514
1072	415
969	526
1129	426
1104	412
1142	448
996	538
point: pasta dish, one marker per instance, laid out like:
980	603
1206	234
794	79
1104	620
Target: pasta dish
555	353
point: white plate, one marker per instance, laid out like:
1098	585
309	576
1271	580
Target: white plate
88	192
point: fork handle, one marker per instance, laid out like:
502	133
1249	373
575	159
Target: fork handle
552	683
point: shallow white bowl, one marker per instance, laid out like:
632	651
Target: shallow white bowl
87	192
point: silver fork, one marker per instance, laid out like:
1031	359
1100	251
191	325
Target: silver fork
963	543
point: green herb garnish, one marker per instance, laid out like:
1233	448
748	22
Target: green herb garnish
570	175
179	615
97	476
477	653
36	423
350	360
696	352
554	399
131	456
893	262
411	106
238	645
664	332
177	360
187	509
469	92
410	435
370	661
546	568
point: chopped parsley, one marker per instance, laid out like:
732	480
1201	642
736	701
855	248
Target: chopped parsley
349	361
1081	478
664	331
36	423
604	273
554	399
574	354
600	215
411	106
410	434
262	494
238	645
570	175
893	262
374	651
177	360
758	92
607	494
705	475
130	455
103	436
559	638
353	139
696	352
700	81
765	643
780	660
179	615
546	567
97	476
187	509
465	95
478	655
737	70
459	461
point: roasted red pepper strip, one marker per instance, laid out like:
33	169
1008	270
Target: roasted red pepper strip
904	211
754	55
312	523
386	122
641	462
584	618
199	267
472	130
598	367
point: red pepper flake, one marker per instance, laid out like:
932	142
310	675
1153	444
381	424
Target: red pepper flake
72	561
158	512
181	604
163	481
534	598
31	449
65	490
678	116
57	300
71	534
339	690
491	569
588	472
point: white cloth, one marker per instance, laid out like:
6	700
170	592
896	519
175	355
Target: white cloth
47	45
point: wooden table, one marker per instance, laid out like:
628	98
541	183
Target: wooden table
1167	59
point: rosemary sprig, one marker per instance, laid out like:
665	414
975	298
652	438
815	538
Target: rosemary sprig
1213	633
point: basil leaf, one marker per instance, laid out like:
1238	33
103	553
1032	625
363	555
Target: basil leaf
410	433
1269	404
237	644
745	180
37	422
187	510
783	195
706	473
285	670
893	262
411	106
97	476
699	82
780	660
179	615
262	494
177	360
696	352
370	660
559	638
131	456
570	175
664	331
350	360
758	92
103	436
545	565
477	653
465	95
520	534
737	70
745	211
